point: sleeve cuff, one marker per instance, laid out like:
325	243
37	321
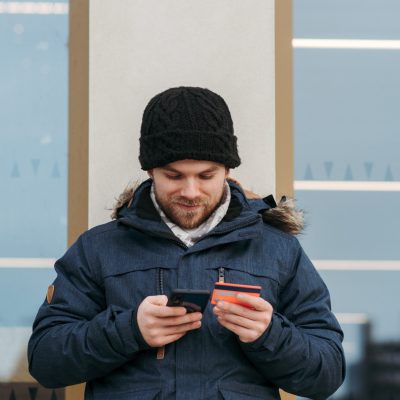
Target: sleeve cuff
269	339
130	332
137	334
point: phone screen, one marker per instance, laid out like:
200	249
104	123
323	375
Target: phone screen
192	300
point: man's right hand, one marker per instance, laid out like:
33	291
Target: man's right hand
160	324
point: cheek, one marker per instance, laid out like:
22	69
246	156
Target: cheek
165	189
214	193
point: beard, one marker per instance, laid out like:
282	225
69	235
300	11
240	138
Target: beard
174	208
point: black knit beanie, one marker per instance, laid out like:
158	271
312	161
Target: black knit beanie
187	123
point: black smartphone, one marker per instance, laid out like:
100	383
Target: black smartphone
192	300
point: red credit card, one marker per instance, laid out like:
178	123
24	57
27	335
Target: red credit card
228	291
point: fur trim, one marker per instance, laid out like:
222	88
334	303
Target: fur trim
125	197
285	216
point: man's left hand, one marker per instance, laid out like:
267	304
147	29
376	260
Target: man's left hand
248	323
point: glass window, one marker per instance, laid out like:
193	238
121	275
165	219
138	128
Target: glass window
33	171
347	169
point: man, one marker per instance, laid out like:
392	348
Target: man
106	320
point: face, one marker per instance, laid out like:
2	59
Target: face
188	191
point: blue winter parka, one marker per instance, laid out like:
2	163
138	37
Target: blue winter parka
88	332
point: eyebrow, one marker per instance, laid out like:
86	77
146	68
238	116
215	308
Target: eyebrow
211	169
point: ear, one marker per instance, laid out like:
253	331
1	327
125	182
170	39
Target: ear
150	173
226	172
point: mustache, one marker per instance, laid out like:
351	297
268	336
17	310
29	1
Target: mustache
186	202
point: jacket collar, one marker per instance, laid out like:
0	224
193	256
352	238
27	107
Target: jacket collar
142	205
141	214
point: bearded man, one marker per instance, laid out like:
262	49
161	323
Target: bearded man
106	320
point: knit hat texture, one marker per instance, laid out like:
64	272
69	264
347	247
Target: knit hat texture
187	123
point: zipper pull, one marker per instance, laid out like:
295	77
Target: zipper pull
161	353
221	274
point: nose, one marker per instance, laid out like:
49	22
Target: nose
190	189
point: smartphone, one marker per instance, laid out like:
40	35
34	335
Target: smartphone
192	300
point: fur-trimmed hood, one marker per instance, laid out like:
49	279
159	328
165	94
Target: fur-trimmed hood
283	216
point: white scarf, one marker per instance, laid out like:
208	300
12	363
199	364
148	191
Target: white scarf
191	236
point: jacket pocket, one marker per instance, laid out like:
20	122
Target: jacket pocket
145	394
249	274
126	266
128	284
245	274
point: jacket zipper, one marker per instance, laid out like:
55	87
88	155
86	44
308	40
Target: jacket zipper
221	274
160	277
160	290
160	281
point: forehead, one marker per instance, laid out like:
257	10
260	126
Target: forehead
193	166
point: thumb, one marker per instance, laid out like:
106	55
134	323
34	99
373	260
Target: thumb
160	300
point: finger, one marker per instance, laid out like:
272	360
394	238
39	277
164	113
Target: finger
160	300
172	338
224	307
241	321
258	303
165	311
160	337
172	330
238	330
245	335
187	318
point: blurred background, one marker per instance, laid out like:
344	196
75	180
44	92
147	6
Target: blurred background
346	94
33	176
347	171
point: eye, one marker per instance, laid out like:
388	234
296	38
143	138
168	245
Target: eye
173	177
206	177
